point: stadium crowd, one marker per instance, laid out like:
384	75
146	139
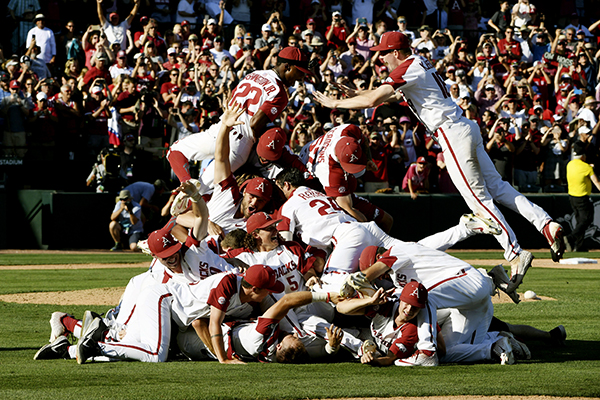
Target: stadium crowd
222	98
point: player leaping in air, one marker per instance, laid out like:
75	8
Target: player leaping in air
415	80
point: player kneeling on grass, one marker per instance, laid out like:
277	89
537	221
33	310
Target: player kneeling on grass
393	325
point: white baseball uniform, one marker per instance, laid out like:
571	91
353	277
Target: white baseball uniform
260	90
450	282
469	166
224	204
400	340
322	163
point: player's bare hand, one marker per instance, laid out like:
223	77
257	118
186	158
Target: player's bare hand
122	334
215	230
324	100
371	166
380	296
231	114
334	298
334	335
312	281
189	188
234	361
367	358
414	195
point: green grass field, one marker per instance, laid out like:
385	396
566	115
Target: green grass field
573	370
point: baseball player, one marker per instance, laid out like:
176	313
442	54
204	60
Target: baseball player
262	95
320	222
416	81
393	325
451	283
148	334
296	272
336	159
228	208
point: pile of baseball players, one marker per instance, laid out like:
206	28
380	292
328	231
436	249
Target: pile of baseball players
286	265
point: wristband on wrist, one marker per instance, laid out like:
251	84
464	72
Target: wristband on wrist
331	350
320	297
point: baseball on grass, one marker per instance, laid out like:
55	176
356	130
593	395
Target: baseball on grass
530	294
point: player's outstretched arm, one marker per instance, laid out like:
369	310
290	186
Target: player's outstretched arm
291	300
359	306
222	146
369	99
376	270
381	361
199	209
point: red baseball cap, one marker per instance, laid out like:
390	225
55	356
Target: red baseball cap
353	131
263	277
14	84
112	15
271	143
310	21
415	294
162	244
294	56
421	160
259	187
184	22
260	220
537	97
392	41
350	155
367	257
122	54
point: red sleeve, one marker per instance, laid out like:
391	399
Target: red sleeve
404	346
189	242
388	259
396	77
219	296
231	183
284	225
338	184
275	107
164	88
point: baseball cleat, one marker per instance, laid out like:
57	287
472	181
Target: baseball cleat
58	329
553	233
520	349
558	335
423	358
518	268
91	333
501	281
59	348
504	351
480	225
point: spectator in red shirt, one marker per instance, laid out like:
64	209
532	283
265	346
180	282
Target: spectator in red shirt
380	154
42	120
99	70
169	90
510	46
96	111
416	179
337	32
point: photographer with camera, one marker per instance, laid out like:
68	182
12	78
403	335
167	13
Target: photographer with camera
183	122
99	70
126	222
337	32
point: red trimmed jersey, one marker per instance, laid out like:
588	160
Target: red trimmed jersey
400	340
224	204
313	216
425	92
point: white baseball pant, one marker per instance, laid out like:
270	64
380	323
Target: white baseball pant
149	330
469	292
476	178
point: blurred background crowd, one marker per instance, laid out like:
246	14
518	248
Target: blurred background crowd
93	92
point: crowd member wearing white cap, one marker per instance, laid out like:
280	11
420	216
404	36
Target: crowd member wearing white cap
120	67
44	38
337	33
